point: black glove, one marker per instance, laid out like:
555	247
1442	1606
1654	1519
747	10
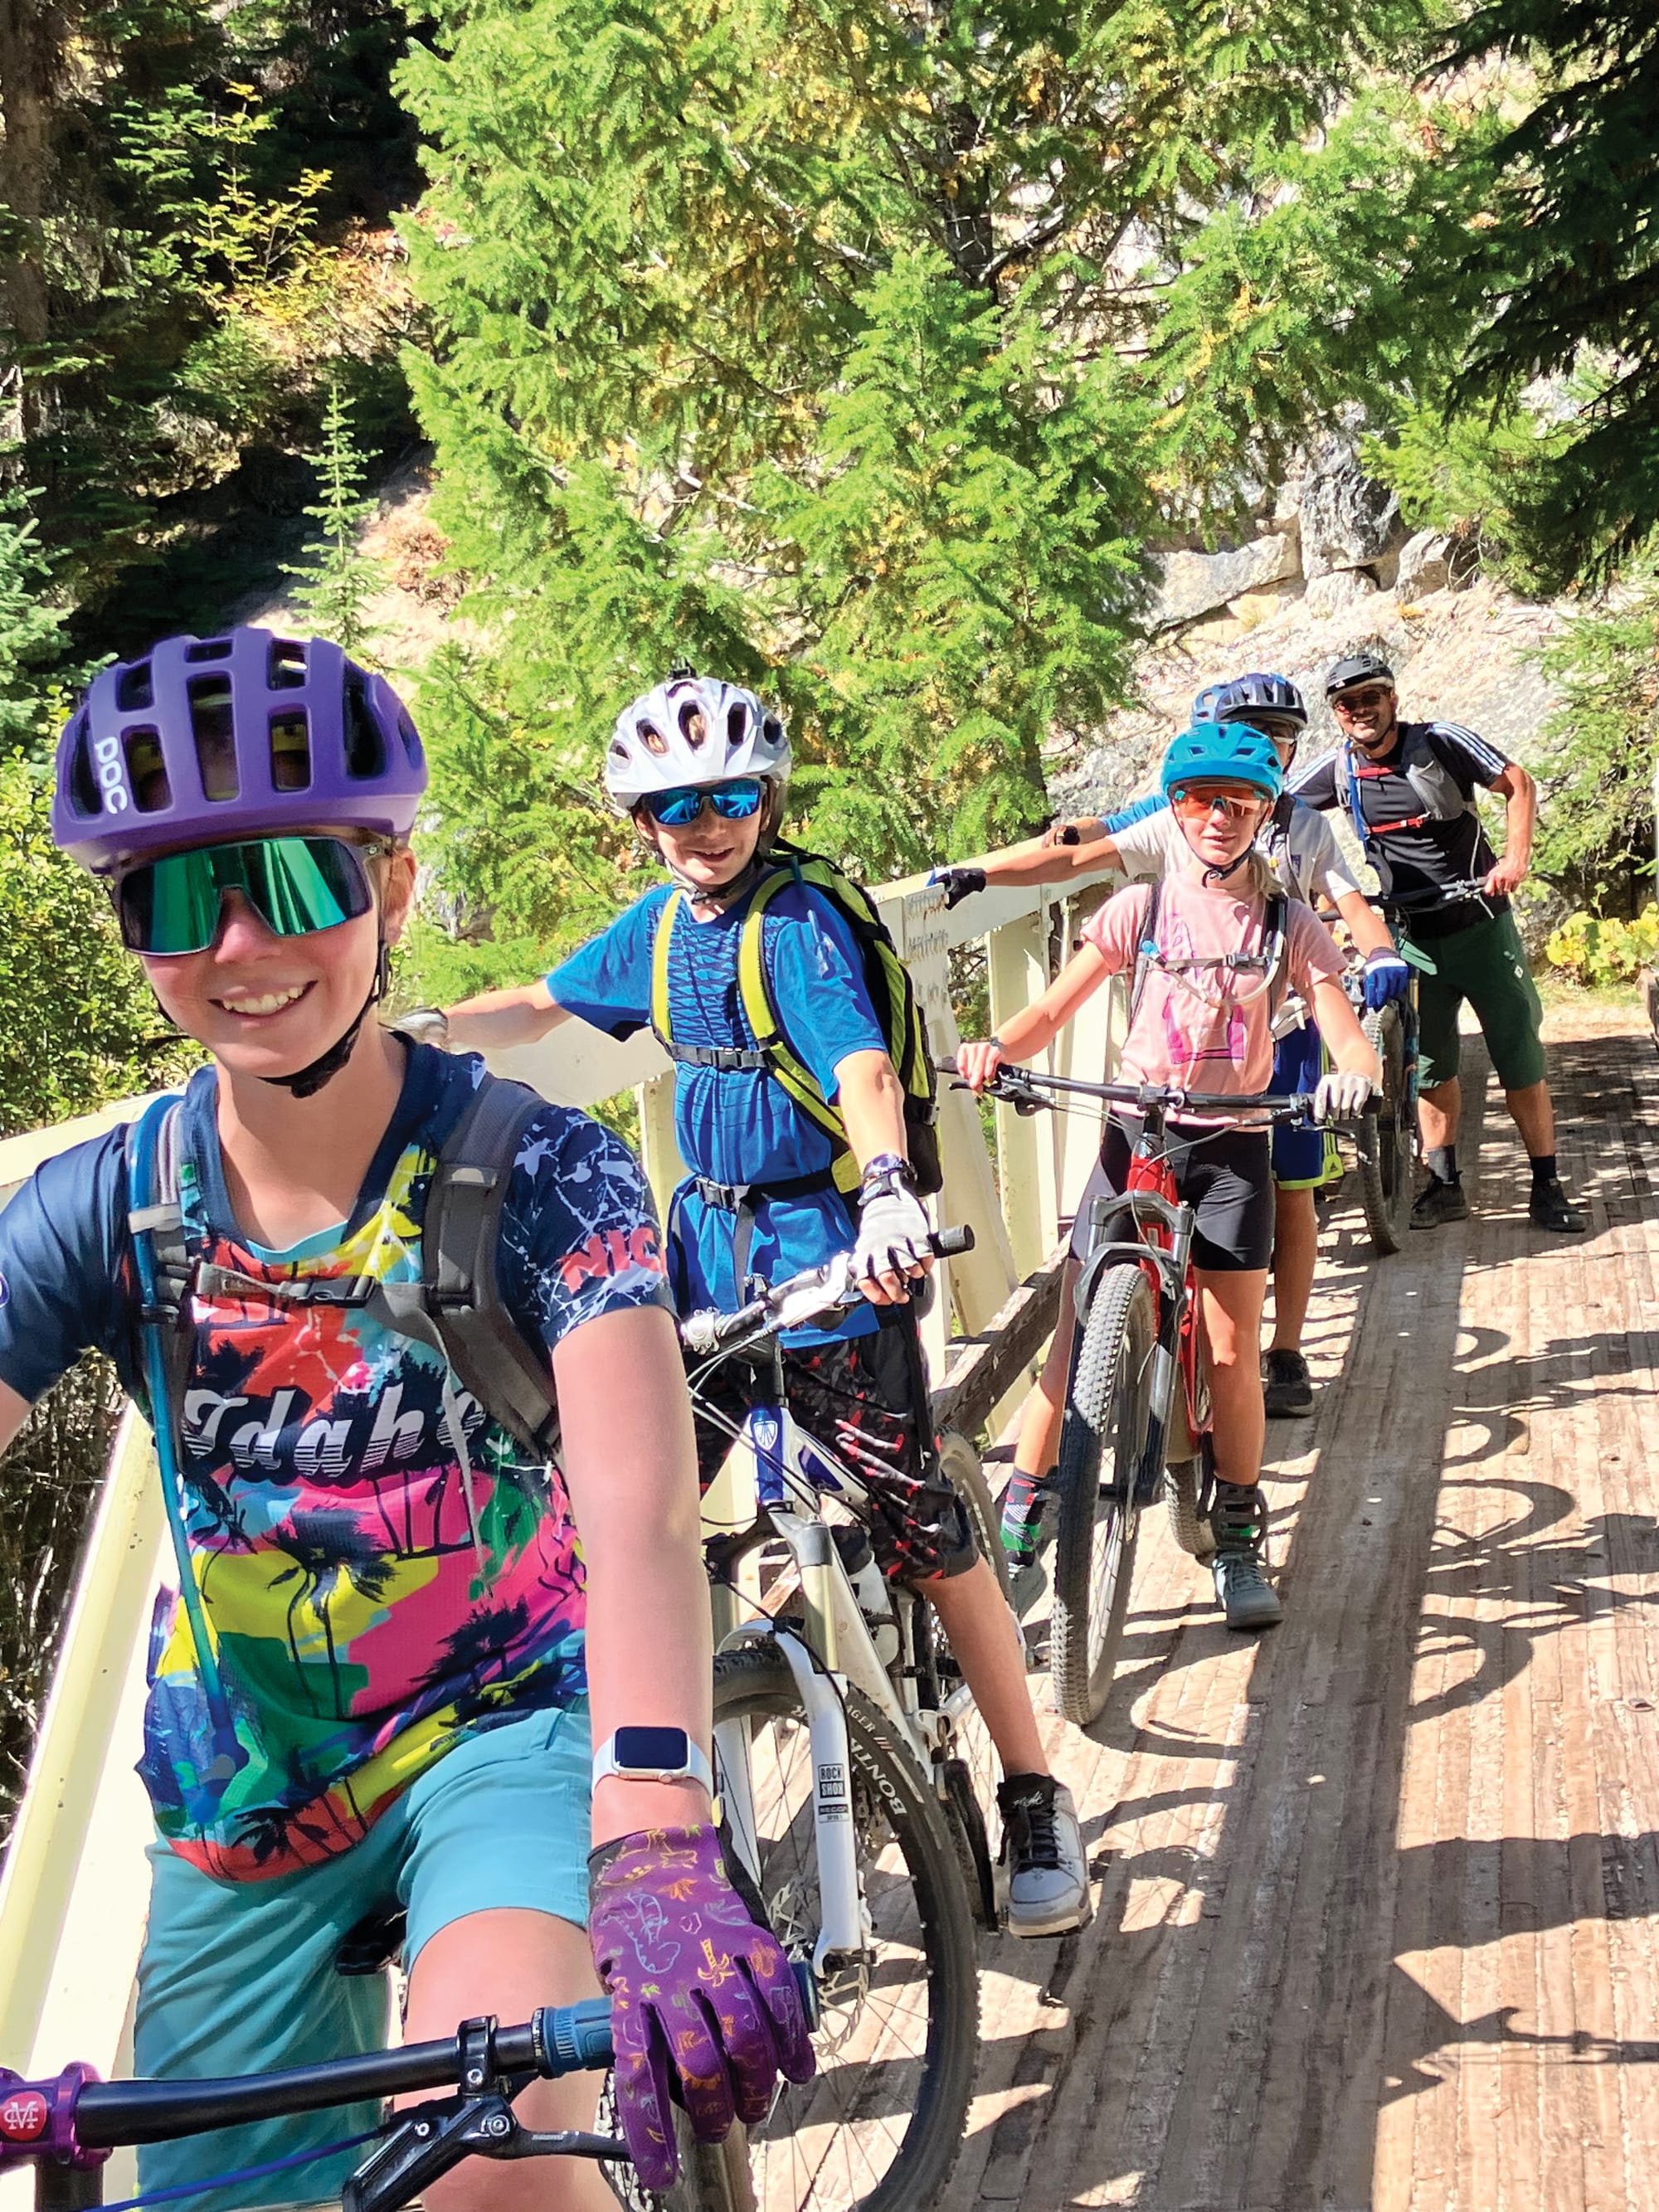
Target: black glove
958	883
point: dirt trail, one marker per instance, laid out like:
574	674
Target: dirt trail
1377	1931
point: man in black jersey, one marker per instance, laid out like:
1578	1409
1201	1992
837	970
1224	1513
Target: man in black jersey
1409	790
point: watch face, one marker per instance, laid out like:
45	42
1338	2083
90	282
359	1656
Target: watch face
652	1750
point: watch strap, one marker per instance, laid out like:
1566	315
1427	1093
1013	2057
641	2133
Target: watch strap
695	1769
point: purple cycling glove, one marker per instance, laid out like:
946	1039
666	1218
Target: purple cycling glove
697	1987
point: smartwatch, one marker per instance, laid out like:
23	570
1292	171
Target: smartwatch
652	1754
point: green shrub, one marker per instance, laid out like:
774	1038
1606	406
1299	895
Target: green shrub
77	1025
1598	952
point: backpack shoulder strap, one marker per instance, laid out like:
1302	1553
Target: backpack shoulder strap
1276	947
154	1213
460	1239
761	1012
1145	948
662	1017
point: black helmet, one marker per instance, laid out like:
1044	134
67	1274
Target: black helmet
1258	693
1361	668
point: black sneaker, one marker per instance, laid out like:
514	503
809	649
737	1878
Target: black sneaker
1239	1518
1551	1208
1048	1866
1438	1203
1286	1385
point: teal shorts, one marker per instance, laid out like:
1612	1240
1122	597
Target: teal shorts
240	1977
1487	964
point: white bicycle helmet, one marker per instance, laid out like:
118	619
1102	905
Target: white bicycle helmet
693	730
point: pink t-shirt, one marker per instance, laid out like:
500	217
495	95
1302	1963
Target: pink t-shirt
1211	1028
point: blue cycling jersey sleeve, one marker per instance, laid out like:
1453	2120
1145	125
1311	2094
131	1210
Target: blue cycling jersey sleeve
607	981
1137	811
63	1251
817	980
579	1231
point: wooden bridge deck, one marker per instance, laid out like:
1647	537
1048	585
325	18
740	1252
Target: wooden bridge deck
1377	1931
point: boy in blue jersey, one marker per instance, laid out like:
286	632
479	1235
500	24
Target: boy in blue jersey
701	767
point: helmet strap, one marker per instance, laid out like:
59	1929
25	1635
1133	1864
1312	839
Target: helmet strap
327	1064
1220	875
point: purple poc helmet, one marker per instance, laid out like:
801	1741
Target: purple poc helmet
202	741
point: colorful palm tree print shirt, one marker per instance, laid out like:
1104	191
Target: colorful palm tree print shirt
366	1615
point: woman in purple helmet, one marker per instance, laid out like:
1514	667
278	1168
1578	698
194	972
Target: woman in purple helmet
374	1694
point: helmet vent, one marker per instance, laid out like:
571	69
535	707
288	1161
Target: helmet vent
737	727
147	770
651	739
290	750
134	688
84	785
365	746
411	738
772	731
209	648
694	726
212	726
286	671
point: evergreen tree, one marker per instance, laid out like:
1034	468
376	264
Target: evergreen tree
337	580
30	627
1596	831
804	342
1562	275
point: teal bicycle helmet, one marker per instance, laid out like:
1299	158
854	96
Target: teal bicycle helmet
1223	752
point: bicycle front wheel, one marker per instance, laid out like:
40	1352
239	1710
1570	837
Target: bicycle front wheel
1385	1180
1101	1443
880	2125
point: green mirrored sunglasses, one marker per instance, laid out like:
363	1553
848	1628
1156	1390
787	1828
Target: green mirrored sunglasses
296	885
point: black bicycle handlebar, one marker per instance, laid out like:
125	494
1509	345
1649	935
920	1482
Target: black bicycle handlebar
709	1331
557	2039
1015	1085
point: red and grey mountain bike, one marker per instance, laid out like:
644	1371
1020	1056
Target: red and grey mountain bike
1138	1396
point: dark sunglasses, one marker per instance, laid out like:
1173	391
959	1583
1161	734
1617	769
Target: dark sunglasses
296	885
1374	695
737	801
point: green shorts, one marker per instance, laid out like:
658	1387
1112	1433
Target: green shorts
1487	964
240	1977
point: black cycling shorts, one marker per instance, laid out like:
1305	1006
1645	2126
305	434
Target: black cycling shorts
1223	1174
866	1398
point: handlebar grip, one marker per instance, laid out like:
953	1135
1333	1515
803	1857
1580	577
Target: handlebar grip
572	2038
946	1244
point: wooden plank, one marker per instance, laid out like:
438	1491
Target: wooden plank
984	1367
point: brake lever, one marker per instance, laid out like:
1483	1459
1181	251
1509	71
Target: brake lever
428	2140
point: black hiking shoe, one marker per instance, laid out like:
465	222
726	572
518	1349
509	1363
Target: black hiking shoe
1438	1203
1239	1519
1551	1208
1048	1867
1286	1388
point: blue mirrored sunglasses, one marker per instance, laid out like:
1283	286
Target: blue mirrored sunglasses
736	801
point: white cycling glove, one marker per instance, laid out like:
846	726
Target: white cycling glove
893	1232
426	1025
1342	1097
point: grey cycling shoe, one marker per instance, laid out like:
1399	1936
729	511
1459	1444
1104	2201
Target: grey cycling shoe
1043	1847
1239	1518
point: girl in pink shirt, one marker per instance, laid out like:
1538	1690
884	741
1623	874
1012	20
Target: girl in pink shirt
1198	1022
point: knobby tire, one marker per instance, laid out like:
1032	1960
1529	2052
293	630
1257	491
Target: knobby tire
1386	1181
880	2128
1101	1444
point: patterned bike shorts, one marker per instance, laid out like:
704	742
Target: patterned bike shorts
861	1396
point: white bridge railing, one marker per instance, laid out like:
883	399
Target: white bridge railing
73	1890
